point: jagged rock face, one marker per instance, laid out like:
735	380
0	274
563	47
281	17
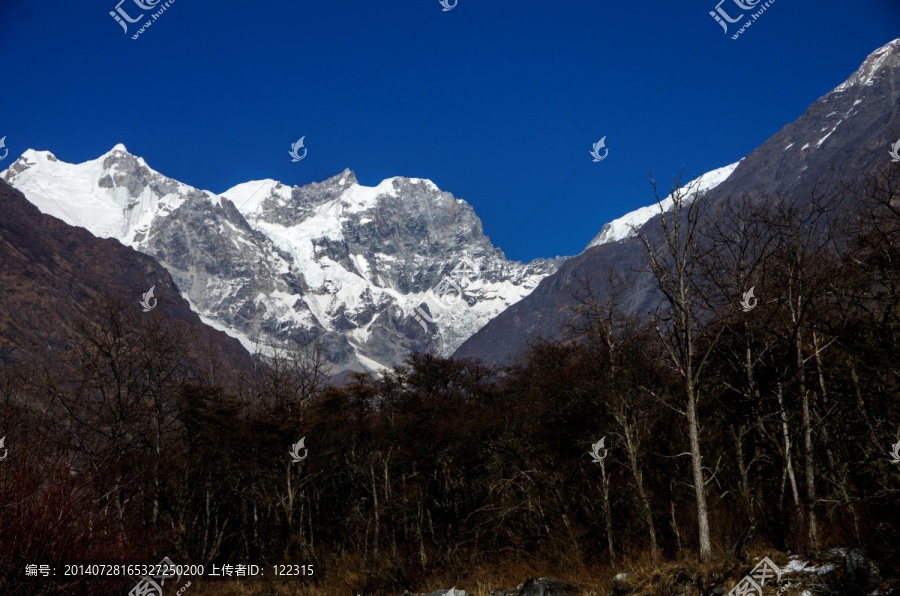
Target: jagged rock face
337	261
848	131
398	239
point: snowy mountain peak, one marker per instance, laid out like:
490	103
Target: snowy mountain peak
32	157
114	196
348	264
628	225
276	202
346	177
884	58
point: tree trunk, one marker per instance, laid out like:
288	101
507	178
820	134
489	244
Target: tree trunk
813	533
744	472
375	506
697	469
631	446
607	514
675	529
421	531
788	460
840	479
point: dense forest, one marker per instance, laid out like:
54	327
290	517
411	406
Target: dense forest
728	430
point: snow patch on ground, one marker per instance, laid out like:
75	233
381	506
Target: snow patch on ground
798	566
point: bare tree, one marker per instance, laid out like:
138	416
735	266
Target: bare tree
803	272
672	258
616	341
740	244
287	376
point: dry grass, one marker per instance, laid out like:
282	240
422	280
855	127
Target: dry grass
349	580
688	577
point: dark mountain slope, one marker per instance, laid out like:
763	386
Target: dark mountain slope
52	275
847	131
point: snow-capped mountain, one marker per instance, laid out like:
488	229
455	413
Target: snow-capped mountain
352	265
843	135
629	224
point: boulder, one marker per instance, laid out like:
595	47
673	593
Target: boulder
546	586
454	591
861	573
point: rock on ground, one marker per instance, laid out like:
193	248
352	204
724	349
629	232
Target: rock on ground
544	586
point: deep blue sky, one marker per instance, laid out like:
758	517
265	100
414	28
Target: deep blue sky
496	102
